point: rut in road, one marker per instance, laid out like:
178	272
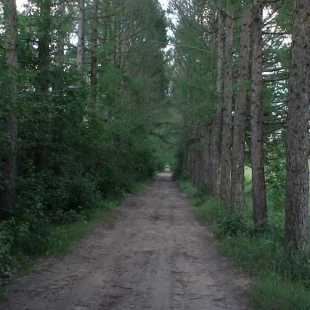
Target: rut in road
155	255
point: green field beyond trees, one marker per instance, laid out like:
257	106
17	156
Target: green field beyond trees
96	96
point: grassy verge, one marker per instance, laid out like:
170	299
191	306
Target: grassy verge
63	236
280	280
20	243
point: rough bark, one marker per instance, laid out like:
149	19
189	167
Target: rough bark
257	143
225	188
94	51
7	194
81	36
217	123
237	192
297	178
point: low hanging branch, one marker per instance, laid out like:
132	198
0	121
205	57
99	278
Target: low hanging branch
190	47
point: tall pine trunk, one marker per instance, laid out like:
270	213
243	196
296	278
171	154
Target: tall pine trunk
60	56
43	80
44	46
237	193
81	36
257	143
217	123
205	159
94	51
225	189
297	171
7	193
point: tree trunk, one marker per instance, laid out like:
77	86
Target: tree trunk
43	78
94	51
297	177
60	57
225	188
81	36
7	193
237	193
217	123
205	159
257	143
44	46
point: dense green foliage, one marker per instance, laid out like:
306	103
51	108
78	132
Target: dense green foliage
234	111
74	152
195	76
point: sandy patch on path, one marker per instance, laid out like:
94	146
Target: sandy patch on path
156	255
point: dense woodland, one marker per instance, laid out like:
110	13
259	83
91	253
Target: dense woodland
241	79
83	99
92	102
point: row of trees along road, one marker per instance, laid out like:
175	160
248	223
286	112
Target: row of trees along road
241	83
83	89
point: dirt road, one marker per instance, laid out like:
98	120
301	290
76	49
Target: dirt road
155	255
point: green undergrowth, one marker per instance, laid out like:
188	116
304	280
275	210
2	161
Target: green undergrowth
21	242
280	280
61	237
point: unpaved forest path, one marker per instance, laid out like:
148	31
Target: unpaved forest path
155	255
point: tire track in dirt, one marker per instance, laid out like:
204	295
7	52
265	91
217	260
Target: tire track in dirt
156	255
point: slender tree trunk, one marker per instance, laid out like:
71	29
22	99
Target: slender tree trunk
196	163
205	159
7	193
192	165
297	171
237	193
60	57
217	123
183	160
43	77
197	148
225	189
60	51
257	143
94	51
44	46
81	36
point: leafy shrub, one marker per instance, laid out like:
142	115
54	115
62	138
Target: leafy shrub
231	224
10	232
37	225
6	241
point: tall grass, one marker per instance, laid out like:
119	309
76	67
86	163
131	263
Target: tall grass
281	279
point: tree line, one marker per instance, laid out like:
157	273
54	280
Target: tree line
241	85
83	92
